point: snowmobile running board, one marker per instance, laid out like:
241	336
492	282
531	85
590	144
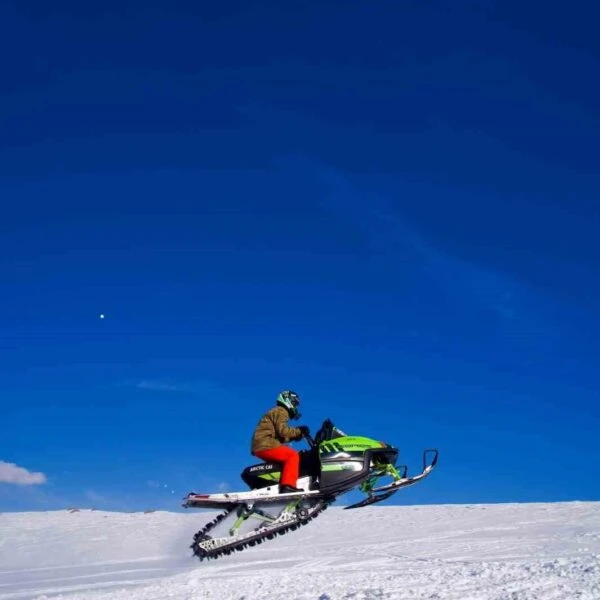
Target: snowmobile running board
385	491
193	500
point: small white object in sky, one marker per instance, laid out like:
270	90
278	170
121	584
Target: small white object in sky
102	315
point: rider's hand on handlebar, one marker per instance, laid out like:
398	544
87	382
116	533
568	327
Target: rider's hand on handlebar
304	431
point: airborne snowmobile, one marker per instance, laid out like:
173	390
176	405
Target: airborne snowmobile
334	464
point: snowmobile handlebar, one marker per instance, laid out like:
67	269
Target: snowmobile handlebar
327	425
310	440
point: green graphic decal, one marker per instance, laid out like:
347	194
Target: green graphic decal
272	476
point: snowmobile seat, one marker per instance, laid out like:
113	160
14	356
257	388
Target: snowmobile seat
267	473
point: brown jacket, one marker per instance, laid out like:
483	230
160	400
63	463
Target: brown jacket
272	430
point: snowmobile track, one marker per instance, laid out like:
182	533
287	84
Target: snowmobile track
251	540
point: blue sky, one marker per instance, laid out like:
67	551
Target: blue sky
390	207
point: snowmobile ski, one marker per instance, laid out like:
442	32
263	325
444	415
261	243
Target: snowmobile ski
406	481
374	498
377	494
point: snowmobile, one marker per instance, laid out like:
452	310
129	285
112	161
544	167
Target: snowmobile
334	464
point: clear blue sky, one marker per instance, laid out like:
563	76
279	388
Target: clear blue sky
390	207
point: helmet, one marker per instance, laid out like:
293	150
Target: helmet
290	401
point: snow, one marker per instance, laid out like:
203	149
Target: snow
446	552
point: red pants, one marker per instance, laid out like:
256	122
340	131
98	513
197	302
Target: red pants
290	459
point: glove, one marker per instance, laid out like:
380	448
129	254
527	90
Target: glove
304	431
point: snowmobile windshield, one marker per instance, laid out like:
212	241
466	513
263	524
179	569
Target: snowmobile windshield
328	432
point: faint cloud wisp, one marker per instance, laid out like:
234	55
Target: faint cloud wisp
96	498
161	386
199	387
460	280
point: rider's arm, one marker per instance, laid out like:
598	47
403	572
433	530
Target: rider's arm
285	433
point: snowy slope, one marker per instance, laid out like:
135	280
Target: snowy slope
454	552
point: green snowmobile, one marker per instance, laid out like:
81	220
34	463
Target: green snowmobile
334	464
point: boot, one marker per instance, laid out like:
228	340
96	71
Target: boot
288	489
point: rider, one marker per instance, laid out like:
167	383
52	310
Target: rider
271	434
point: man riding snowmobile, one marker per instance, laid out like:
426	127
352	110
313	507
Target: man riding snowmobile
271	435
335	463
